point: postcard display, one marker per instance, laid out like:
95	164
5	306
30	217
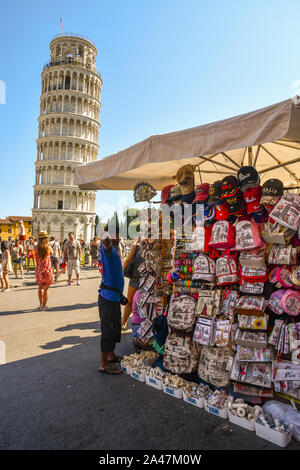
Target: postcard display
231	292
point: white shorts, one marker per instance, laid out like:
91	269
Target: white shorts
73	264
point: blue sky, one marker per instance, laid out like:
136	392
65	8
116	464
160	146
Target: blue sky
166	65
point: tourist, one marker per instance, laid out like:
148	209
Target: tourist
30	254
133	261
72	255
109	299
1	273
94	247
55	256
16	257
22	234
43	272
6	264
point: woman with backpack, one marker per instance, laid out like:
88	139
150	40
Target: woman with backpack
6	264
43	272
16	257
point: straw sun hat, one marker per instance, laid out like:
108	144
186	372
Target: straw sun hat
43	234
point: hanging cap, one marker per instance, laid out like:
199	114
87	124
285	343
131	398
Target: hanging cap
230	186
215	191
252	198
175	193
272	188
222	211
236	204
165	193
201	192
247	177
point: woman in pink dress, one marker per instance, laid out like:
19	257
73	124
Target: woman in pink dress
43	272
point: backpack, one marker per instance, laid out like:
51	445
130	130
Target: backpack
253	275
287	211
180	354
274	301
290	302
226	270
204	269
15	253
247	235
214	365
222	235
181	315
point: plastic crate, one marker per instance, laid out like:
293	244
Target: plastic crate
243	422
125	368
221	412
155	383
278	438
199	402
177	393
137	376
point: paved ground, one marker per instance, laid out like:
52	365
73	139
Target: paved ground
52	396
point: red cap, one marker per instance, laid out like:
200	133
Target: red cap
222	211
165	193
252	198
201	192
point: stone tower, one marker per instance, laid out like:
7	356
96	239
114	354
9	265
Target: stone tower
68	136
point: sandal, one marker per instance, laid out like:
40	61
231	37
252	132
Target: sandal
110	371
116	359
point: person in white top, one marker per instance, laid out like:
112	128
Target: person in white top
6	264
22	234
30	254
55	257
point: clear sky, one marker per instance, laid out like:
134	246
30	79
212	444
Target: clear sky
166	65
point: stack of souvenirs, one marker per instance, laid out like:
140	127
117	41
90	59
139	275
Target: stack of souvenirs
231	292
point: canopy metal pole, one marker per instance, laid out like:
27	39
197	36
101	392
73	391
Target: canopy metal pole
280	164
217	163
231	159
244	156
296	160
250	156
256	155
286	144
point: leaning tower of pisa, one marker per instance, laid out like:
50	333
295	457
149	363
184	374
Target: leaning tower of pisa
68	136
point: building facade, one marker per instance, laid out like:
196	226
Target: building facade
9	227
68	137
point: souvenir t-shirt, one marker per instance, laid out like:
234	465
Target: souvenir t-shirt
112	275
72	249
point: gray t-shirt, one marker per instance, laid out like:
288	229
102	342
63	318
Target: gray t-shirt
72	249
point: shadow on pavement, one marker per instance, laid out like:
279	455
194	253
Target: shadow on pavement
81	326
58	400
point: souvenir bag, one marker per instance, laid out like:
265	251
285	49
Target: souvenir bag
143	192
282	254
214	365
275	334
204	331
284	277
222	235
253	322
259	374
296	276
253	259
253	275
275	233
181	314
287	211
226	270
180	354
247	236
274	302
208	303
222	333
251	287
204	269
251	305
290	302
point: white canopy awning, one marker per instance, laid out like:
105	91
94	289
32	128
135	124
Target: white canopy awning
268	138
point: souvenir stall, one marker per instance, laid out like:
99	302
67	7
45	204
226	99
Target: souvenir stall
221	304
